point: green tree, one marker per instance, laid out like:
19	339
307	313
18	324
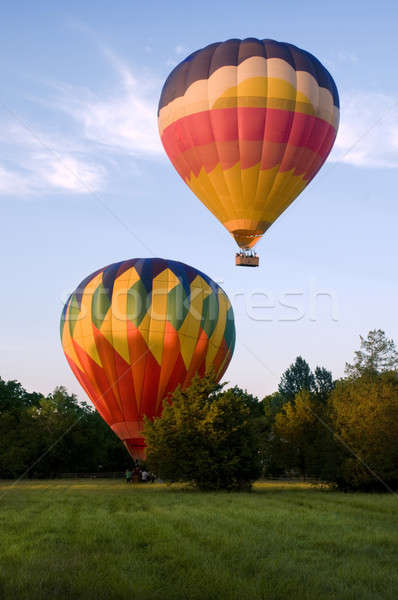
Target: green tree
278	456
296	378
252	402
272	405
323	383
17	442
377	354
17	435
13	397
72	437
272	462
206	436
302	437
364	414
44	436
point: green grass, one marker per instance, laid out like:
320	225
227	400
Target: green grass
103	539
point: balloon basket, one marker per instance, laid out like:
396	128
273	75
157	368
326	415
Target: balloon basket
245	259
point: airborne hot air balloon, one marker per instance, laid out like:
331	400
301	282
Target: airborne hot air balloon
135	330
247	124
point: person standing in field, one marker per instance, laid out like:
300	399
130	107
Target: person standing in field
136	475
128	475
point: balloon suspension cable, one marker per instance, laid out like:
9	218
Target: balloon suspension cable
246	257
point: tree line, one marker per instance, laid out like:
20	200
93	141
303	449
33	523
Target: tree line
343	432
43	436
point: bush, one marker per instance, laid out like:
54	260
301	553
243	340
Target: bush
206	437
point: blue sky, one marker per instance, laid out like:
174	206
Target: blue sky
84	180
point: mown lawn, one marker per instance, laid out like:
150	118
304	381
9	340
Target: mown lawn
103	539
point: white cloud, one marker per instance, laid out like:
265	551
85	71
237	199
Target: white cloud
45	173
103	127
13	183
69	173
124	120
368	133
39	163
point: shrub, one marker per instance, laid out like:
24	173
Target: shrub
206	437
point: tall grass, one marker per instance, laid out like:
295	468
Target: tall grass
107	540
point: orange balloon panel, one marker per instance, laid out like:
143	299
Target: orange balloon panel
135	330
247	124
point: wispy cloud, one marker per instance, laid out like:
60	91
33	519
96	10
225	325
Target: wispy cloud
104	126
44	173
368	134
69	173
32	162
123	120
14	183
100	128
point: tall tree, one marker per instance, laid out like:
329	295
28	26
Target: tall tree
252	402
296	378
302	438
323	383
13	397
206	436
377	354
365	416
44	436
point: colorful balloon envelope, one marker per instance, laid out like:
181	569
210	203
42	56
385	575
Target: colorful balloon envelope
247	124
135	330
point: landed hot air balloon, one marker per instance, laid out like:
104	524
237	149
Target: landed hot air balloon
247	124
135	330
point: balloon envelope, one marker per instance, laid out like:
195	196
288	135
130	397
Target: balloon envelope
134	330
247	124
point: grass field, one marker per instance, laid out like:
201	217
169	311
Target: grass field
102	539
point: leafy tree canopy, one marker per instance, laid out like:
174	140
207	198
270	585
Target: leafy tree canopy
323	383
365	416
377	354
252	402
302	437
14	397
299	377
205	437
44	436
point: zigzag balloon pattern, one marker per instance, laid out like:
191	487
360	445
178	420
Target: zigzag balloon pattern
135	330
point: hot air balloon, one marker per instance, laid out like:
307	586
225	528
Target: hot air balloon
247	124
134	330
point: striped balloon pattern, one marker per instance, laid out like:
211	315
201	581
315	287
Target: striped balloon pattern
134	330
248	124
